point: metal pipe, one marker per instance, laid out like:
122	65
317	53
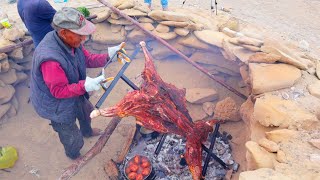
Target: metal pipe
117	11
162	140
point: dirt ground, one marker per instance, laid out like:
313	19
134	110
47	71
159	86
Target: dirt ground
41	156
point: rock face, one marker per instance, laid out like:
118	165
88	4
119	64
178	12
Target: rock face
314	89
201	95
261	157
268	145
272	111
227	110
263	173
104	35
271	77
216	38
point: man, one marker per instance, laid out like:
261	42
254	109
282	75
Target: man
59	84
164	4
37	16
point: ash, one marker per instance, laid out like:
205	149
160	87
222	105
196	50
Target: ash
167	164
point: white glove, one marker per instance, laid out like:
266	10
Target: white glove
112	51
93	84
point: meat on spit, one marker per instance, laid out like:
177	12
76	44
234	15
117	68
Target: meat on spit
161	107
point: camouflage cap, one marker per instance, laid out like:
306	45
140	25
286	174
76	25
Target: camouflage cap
71	19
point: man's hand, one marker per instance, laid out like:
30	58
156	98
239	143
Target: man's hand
113	50
93	84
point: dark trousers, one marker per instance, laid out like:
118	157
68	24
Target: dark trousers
70	135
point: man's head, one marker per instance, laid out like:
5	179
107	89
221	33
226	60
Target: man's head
72	26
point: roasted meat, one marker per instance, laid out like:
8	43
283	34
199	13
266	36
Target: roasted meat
161	107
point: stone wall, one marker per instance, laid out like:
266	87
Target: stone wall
14	68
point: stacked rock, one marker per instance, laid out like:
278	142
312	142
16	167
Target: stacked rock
14	67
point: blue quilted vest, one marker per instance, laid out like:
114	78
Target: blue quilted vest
45	104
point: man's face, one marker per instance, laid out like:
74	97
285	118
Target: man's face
72	39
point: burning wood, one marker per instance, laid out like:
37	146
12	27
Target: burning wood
161	107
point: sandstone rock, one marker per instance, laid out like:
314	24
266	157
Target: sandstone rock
262	57
287	56
263	173
143	7
278	76
175	24
228	51
281	135
281	157
115	16
9	77
196	112
162	28
120	21
148	26
208	107
21	77
195	27
191	41
251	48
145	20
117	3
201	95
231	33
137	35
104	35
268	145
115	28
216	38
249	41
261	157
318	70
227	110
13	34
315	143
231	23
181	31
244	72
166	36
4	108
159	15
129	27
273	111
16	54
242	54
7	93
134	12
102	13
214	59
112	170
4	65
314	89
126	5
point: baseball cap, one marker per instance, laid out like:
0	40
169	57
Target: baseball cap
71	19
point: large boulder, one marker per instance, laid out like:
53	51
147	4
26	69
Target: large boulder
263	173
272	111
216	38
159	15
260	157
102	13
271	77
227	110
104	35
13	34
201	95
314	89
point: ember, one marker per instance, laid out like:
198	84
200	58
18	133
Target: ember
161	107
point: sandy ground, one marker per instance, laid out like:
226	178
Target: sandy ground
39	148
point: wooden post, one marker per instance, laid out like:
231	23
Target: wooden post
173	49
75	167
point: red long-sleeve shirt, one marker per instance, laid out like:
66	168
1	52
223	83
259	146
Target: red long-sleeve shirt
57	81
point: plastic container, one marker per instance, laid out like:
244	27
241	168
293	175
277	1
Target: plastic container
5	23
8	157
60	1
